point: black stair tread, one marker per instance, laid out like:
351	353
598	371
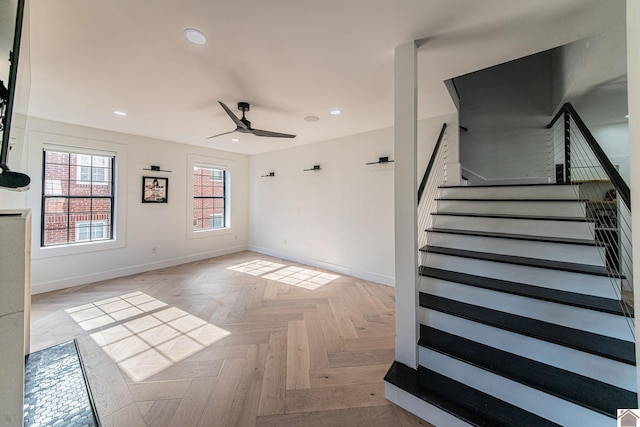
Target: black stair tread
606	305
567	240
513	216
468	404
611	348
596	270
584	391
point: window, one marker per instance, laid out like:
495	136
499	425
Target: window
91	230
209	198
93	169
217	175
77	197
216	221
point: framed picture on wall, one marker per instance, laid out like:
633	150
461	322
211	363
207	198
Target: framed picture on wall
154	189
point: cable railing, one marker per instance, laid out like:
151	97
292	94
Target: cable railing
580	160
434	176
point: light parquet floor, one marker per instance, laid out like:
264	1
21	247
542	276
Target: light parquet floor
239	340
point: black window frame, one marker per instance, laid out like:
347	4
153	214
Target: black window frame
224	197
68	197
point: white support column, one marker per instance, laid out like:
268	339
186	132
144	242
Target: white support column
633	92
15	312
406	241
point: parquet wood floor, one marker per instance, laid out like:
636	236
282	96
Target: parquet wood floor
239	340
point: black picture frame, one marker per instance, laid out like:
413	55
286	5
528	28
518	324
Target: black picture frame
155	189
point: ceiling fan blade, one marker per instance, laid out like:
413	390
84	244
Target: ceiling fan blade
259	132
235	118
223	133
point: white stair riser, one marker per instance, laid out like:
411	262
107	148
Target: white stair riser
555	279
568	192
600	368
530	399
569	209
529	227
583	319
428	412
584	254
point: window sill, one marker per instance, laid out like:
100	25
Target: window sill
200	234
76	248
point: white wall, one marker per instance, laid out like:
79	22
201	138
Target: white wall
339	218
614	140
506	109
141	226
566	63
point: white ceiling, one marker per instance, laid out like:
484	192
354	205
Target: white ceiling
288	58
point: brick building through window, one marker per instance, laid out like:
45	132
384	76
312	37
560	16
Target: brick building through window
209	198
77	197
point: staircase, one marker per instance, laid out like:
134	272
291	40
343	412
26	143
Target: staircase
521	323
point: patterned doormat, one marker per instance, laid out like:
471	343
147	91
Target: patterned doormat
55	389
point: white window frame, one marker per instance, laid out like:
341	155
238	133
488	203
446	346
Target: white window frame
92	226
215	176
194	160
213	218
43	140
53	186
88	161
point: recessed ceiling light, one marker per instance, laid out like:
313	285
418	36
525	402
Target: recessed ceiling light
119	113
235	139
312	118
195	36
336	112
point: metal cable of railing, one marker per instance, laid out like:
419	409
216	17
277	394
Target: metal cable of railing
603	208
434	177
606	196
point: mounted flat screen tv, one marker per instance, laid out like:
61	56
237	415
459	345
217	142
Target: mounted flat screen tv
11	18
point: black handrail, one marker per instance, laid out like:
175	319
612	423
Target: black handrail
621	187
432	160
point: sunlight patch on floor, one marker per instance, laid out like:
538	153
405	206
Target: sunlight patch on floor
256	267
111	310
152	341
297	276
301	277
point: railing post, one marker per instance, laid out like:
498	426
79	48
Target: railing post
567	147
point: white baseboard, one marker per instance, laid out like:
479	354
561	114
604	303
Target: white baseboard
55	285
336	268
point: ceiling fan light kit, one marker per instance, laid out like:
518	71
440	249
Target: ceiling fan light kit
243	125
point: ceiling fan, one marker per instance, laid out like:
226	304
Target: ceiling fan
243	125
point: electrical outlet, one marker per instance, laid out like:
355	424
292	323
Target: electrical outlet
154	250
